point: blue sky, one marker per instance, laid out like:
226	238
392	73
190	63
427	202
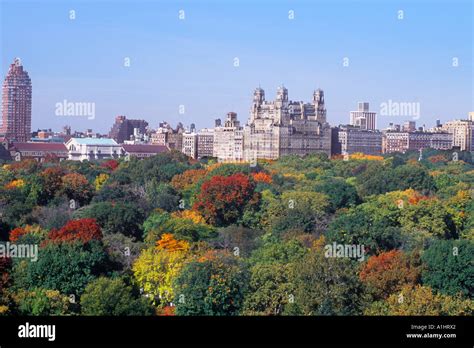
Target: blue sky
190	62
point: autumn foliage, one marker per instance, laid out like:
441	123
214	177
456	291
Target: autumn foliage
14	184
437	159
192	215
19	232
110	164
77	187
410	196
83	230
207	238
361	156
166	311
170	244
52	178
16	233
188	178
223	198
388	272
262	177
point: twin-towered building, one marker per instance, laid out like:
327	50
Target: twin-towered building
274	129
284	127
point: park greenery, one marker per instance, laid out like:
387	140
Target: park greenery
169	235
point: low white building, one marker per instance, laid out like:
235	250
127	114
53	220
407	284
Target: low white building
90	149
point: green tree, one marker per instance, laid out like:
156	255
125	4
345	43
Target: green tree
270	289
162	196
119	217
340	193
215	286
429	218
358	226
104	296
162	167
379	178
42	302
327	286
66	267
275	251
298	211
159	223
122	250
235	236
448	267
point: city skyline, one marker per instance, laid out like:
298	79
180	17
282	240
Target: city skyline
211	72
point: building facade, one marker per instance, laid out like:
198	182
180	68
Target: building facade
90	149
394	141
190	142
123	129
229	140
284	127
167	136
205	143
38	151
16	104
143	150
354	140
462	132
363	118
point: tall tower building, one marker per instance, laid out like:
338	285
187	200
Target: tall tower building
16	104
363	118
320	110
259	96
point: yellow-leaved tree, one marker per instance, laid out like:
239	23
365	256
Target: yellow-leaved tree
156	268
100	180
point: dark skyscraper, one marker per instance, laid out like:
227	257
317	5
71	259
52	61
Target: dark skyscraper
123	128
16	104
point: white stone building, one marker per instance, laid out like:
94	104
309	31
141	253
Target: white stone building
284	127
463	133
363	118
229	140
90	149
190	144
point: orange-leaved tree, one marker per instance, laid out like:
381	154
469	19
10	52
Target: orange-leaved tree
170	244
83	230
188	178
389	271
